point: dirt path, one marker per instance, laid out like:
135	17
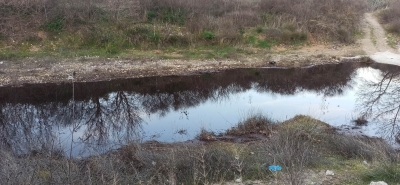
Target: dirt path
374	43
375	38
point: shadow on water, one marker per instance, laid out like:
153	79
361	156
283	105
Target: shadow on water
112	113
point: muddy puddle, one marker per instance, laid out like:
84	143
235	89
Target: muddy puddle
84	119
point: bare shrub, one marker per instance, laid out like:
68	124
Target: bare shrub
230	25
364	148
219	162
130	156
189	165
390	13
224	17
394	27
19	16
273	33
377	4
350	147
322	19
229	20
390	16
293	151
198	24
296	144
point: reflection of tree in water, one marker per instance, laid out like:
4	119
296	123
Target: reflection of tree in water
31	116
17	128
380	100
108	117
28	127
328	80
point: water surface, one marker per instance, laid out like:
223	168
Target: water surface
90	118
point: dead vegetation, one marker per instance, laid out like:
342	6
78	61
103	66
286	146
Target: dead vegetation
257	124
111	27
362	120
389	17
298	145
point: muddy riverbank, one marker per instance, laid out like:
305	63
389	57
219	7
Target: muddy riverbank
90	69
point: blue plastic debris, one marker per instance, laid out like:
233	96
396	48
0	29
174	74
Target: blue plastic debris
274	168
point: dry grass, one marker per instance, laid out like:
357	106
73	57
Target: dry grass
297	144
322	20
362	120
117	25
257	124
206	135
390	17
377	4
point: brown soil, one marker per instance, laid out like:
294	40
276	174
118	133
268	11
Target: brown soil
98	69
375	37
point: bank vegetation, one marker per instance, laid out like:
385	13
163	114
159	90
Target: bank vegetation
304	147
389	17
108	28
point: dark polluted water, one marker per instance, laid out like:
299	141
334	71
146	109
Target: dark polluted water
83	119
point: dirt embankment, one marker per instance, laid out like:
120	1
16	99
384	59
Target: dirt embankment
96	69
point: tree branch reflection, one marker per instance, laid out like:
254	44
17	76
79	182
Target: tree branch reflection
34	117
380	100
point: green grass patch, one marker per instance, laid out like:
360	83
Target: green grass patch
358	34
208	35
392	40
114	48
55	25
372	35
265	44
388	172
209	52
18	54
286	35
252	39
224	52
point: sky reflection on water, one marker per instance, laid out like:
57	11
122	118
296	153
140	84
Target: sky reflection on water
170	109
